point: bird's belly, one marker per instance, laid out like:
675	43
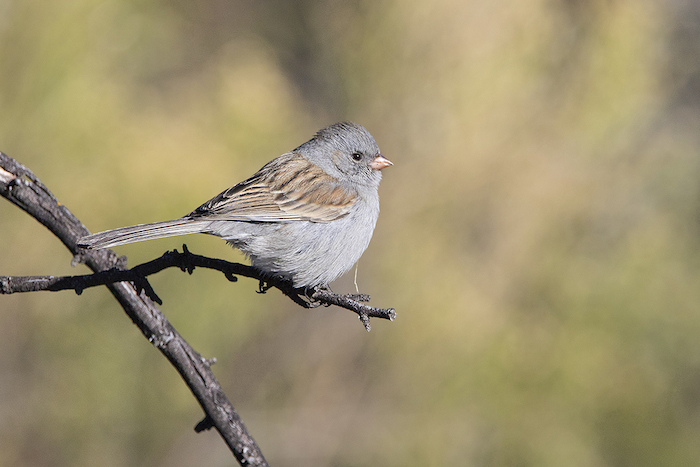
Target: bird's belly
308	253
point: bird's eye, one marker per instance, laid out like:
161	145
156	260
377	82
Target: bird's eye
356	156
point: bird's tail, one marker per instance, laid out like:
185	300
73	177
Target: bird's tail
142	232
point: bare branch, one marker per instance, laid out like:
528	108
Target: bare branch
22	188
187	261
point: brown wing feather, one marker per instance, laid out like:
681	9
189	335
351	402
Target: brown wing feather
302	191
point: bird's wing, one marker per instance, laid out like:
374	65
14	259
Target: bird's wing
289	188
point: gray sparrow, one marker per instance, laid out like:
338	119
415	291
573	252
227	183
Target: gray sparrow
307	215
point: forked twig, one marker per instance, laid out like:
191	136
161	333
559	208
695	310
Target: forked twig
188	261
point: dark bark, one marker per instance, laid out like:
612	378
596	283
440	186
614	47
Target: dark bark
21	187
187	261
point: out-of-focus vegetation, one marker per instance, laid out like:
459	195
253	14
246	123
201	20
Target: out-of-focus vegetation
539	235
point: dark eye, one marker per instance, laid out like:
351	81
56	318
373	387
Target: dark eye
356	156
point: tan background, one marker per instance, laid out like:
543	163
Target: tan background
539	234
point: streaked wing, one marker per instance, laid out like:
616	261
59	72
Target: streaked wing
302	191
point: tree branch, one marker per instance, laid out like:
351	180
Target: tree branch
187	261
21	187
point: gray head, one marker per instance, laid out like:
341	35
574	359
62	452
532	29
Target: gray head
346	151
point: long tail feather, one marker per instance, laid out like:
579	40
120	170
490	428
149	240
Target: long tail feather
141	232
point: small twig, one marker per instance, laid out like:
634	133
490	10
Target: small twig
188	261
352	302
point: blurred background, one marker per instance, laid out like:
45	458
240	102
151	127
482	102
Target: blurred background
539	235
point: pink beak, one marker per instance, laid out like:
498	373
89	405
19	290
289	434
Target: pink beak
380	162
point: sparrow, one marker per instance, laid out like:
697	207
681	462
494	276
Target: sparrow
306	216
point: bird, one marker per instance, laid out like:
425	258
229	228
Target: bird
306	216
